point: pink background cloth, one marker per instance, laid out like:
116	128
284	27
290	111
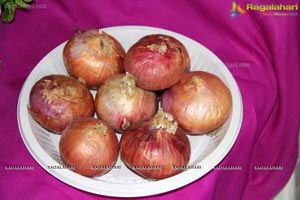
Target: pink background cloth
262	53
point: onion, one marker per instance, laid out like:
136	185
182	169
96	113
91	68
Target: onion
93	56
120	103
157	61
156	148
56	100
200	102
174	43
89	146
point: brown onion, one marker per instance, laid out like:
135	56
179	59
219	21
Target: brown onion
157	61
120	103
93	56
156	148
200	102
56	100
89	146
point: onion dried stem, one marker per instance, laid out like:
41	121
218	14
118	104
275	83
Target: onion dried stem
164	120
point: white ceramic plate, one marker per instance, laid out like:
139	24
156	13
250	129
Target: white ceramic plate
207	151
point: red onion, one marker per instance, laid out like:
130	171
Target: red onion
56	100
93	56
157	61
156	148
120	103
89	146
200	102
174	43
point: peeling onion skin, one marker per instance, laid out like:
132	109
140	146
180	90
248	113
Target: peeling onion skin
154	153
90	146
120	103
156	61
200	102
174	43
92	56
56	100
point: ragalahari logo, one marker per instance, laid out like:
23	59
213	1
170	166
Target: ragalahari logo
236	10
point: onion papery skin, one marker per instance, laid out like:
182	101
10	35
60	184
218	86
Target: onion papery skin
89	146
120	103
174	43
156	62
200	102
56	100
154	153
92	56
